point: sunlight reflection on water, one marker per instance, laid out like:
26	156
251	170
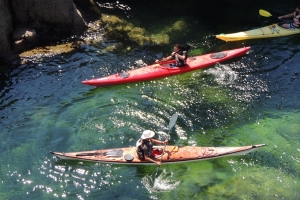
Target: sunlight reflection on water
253	99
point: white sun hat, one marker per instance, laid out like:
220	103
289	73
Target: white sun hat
147	134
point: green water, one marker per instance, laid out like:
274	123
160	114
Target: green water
253	99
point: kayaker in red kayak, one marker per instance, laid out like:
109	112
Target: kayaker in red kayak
145	149
180	55
296	19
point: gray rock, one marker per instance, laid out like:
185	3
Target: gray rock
61	14
38	19
24	39
23	34
6	24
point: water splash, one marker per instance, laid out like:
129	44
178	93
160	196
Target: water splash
116	5
224	75
161	183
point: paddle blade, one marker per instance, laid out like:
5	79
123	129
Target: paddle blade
173	121
264	13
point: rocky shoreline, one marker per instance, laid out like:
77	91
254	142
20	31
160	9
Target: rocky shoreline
49	27
26	23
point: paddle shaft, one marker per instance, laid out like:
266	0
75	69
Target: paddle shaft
160	61
171	124
162	153
265	13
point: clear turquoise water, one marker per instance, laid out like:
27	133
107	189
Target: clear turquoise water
249	100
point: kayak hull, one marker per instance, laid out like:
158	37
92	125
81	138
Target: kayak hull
173	154
163	69
270	31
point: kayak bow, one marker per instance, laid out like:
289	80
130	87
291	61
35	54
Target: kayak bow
164	69
173	154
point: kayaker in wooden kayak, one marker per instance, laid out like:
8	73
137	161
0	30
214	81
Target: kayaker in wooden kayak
145	149
180	55
296	21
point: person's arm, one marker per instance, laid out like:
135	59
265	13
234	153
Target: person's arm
181	57
167	58
286	16
164	59
149	159
159	142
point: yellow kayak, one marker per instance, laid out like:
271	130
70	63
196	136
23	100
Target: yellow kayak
264	32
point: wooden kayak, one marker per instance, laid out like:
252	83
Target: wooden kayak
173	154
164	69
264	32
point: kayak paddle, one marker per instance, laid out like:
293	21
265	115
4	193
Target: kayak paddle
171	124
264	13
172	121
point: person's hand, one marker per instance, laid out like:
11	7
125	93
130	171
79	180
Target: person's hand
158	163
166	141
156	61
173	54
280	17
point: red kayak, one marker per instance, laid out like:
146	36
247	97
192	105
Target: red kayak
165	69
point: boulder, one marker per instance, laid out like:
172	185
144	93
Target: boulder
6	24
24	39
57	14
36	21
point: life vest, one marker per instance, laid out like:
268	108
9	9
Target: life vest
145	149
297	21
180	62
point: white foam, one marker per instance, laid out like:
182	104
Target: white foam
160	183
224	75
